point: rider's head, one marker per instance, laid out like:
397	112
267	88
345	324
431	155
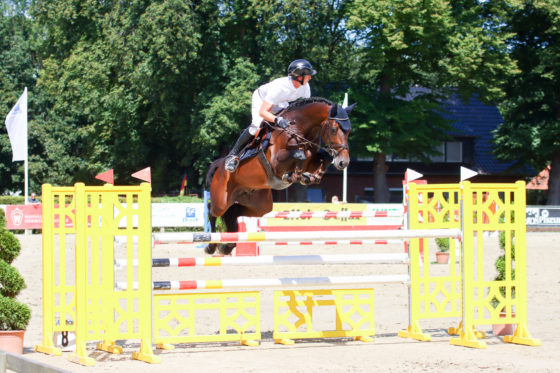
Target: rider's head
299	69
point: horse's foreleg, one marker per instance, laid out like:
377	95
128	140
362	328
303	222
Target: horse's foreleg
230	220
316	168
211	247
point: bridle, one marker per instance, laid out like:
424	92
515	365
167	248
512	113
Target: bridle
332	149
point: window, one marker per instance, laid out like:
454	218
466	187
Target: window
451	152
454	151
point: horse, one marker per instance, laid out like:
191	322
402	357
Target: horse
294	154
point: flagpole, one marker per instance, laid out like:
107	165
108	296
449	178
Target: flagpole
26	163
345	171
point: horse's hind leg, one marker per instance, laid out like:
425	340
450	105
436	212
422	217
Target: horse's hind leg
211	247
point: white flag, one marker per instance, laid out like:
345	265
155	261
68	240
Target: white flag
467	173
16	122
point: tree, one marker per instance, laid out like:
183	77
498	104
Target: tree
18	68
258	41
122	80
531	128
435	44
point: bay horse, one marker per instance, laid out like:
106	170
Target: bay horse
317	137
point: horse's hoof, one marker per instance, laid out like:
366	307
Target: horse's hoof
210	249
226	249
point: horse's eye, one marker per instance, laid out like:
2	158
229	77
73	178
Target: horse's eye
334	131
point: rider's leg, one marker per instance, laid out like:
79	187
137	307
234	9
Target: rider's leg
232	159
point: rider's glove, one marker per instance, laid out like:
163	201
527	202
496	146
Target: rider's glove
281	122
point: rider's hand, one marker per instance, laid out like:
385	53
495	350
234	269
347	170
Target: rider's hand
281	122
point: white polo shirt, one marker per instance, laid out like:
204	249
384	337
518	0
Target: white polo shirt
279	93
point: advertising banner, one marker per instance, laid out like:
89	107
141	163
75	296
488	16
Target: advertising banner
24	216
543	216
177	214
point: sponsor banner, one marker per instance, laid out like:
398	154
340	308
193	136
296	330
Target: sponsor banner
24	216
543	216
177	214
163	215
339	222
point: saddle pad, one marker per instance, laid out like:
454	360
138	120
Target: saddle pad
249	153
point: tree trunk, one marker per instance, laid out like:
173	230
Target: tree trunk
381	189
554	180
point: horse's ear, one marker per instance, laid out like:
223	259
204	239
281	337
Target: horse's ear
334	110
350	108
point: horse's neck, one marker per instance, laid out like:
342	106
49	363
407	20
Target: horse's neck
310	121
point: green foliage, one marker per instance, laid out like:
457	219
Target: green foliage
407	44
13	315
2	219
531	125
18	69
9	246
177	199
11	282
12	200
168	84
500	265
443	244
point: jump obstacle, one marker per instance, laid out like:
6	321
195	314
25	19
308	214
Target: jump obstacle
102	311
275	221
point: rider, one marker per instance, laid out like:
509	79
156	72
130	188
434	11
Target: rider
271	98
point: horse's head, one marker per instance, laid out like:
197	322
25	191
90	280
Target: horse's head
335	133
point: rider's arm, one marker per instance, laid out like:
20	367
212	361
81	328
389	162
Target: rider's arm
265	113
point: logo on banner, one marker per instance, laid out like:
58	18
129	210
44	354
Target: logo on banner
17	216
190	214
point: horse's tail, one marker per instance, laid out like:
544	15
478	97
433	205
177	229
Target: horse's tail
210	174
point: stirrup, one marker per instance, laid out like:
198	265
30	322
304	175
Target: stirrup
231	163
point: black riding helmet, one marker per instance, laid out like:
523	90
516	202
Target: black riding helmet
300	68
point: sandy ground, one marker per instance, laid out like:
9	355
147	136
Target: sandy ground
388	353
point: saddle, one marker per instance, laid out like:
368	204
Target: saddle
258	147
260	143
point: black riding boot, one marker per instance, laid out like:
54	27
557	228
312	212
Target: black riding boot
232	159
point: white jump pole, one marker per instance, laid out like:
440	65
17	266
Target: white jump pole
178	237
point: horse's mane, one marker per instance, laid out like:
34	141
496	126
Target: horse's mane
300	102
